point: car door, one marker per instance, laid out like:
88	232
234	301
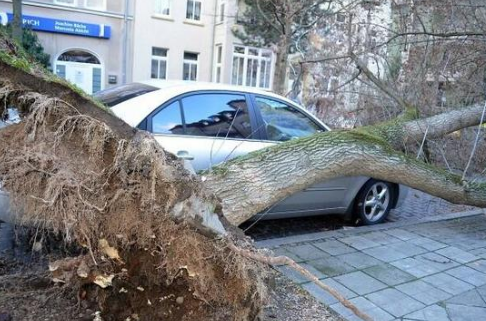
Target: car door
207	128
282	122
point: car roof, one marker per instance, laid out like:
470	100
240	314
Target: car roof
135	110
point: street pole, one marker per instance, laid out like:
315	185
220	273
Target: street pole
17	20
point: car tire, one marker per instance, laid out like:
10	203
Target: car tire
374	202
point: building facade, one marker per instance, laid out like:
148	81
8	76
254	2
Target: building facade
88	40
193	40
101	43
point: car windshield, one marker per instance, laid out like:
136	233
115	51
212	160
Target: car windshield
114	96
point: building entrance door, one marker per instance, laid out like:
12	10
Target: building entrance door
82	69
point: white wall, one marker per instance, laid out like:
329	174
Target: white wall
176	34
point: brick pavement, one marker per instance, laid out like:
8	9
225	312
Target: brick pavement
398	271
418	205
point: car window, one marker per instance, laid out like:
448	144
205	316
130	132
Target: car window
217	115
168	120
116	95
284	122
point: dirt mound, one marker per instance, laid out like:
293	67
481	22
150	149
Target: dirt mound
74	169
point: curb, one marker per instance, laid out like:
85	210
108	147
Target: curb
363	229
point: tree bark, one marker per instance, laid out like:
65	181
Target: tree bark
17	20
251	184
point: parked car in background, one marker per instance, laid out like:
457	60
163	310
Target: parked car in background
207	124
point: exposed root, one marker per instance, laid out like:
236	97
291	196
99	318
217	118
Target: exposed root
69	172
283	260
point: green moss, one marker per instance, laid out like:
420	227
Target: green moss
16	61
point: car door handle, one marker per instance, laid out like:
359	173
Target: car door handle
184	154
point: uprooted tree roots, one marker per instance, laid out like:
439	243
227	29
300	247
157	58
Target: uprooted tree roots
132	208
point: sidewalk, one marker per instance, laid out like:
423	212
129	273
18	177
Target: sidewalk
419	270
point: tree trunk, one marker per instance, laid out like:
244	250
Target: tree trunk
252	184
17	23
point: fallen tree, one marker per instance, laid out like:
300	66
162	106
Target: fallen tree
155	239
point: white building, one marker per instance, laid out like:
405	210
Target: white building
100	43
88	40
193	40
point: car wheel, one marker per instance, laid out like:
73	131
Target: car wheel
374	202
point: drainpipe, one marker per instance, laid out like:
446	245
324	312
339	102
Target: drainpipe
125	43
213	37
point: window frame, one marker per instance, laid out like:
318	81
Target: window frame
102	8
190	62
255	131
261	123
246	58
159	59
76	4
218	64
221	11
194	10
159	14
62	3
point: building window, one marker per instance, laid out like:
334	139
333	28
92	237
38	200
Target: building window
190	66
71	3
162	7
194	10
222	5
159	63
88	4
219	64
252	67
96	4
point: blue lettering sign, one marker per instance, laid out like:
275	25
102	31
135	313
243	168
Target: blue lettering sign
60	26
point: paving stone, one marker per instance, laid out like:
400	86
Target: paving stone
468	275
402	234
331	266
359	260
358	242
465	313
334	247
448	283
344	291
380	237
470	298
457	255
479	265
282	251
307	252
375	312
436	261
408	249
479	252
427	243
385	253
423	292
296	276
389	274
360	283
292	274
324	296
314	271
431	313
415	267
395	302
320	294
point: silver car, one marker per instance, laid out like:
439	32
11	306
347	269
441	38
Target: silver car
207	124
